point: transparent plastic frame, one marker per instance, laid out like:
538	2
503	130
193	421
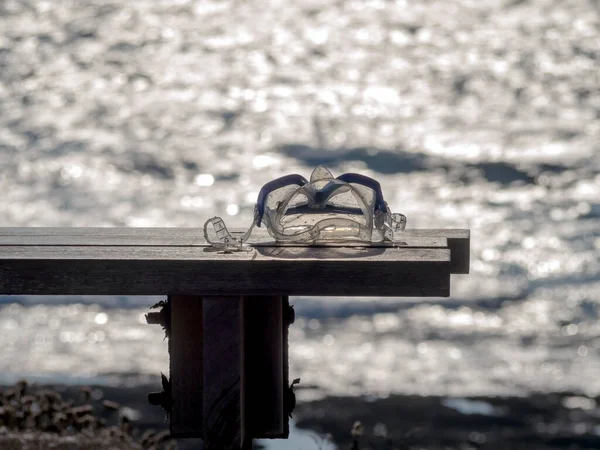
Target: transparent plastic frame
325	209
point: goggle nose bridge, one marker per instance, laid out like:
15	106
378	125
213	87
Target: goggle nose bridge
300	181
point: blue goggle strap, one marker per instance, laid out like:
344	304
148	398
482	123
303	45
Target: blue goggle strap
272	186
370	183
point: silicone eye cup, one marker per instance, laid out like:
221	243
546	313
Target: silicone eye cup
347	208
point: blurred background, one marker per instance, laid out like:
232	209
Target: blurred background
472	114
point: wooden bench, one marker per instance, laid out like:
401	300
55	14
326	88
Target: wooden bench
227	313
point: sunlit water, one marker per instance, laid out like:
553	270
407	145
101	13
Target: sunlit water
482	115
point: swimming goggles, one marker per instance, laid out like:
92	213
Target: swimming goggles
325	209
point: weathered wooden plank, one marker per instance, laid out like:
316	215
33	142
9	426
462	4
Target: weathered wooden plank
224	403
186	234
186	365
176	253
459	242
264	364
76	270
449	233
158	237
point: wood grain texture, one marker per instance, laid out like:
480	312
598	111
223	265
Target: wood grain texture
150	261
159	237
164	236
223	414
459	242
457	239
78	270
176	253
186	366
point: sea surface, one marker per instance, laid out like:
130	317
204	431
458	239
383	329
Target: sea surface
163	113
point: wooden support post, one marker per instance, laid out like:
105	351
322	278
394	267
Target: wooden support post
223	349
186	365
229	369
266	363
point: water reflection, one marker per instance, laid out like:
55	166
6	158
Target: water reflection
471	114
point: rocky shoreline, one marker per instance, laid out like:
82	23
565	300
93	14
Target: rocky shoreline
36	417
539	421
105	417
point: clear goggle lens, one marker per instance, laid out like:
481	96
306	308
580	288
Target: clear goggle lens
349	207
